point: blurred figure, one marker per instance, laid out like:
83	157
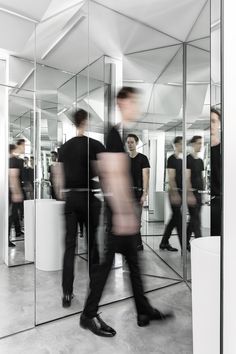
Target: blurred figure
27	183
216	168
15	188
74	173
140	178
54	158
195	168
113	167
174	168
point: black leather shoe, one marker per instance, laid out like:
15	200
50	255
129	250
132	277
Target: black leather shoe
168	247
66	300
140	248
11	244
97	326
143	320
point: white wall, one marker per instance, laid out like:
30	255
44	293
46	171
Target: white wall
229	173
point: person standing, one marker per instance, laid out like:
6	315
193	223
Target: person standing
140	178
72	176
195	168
15	188
174	168
54	158
114	170
216	171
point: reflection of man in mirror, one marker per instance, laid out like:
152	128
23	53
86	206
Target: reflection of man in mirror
16	165
140	177
74	175
114	169
54	157
174	168
27	182
216	190
195	168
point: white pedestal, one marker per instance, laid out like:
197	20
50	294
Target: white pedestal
50	233
206	216
205	266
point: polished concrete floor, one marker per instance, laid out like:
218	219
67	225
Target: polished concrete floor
65	336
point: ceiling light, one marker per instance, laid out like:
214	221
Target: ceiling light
62	111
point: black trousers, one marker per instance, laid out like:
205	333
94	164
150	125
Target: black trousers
127	246
194	225
175	222
80	207
14	218
216	216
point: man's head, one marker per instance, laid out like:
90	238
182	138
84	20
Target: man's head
32	161
20	146
128	103
26	161
12	148
178	140
80	119
132	142
54	156
215	121
196	142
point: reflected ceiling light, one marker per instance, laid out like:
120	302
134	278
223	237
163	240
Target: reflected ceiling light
135	81
18	15
28	76
62	111
62	36
215	24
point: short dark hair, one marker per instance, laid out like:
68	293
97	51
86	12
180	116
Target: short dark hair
20	142
177	139
126	91
54	153
12	147
133	136
79	117
214	110
195	138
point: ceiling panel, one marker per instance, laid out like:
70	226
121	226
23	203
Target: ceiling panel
202	26
170	16
29	8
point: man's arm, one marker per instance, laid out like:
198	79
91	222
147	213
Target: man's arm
173	189
58	179
14	185
116	184
146	176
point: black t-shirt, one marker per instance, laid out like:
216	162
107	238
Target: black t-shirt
17	163
114	142
216	170
76	155
196	166
137	164
176	164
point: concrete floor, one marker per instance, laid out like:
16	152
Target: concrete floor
65	336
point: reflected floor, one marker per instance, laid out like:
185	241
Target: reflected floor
65	336
16	298
16	255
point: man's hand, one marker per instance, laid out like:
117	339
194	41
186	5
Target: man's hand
143	198
191	199
125	224
175	198
17	197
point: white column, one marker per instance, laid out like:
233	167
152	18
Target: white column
229	174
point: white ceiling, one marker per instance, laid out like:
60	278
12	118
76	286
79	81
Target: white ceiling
114	28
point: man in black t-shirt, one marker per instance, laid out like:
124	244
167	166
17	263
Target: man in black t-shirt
140	167
72	177
216	171
16	166
116	181
54	158
195	168
174	167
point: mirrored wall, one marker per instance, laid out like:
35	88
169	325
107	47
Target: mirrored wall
101	47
